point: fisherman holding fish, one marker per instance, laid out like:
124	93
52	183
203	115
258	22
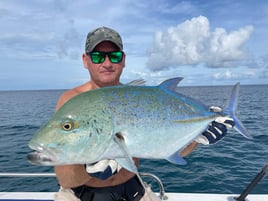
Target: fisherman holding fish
106	180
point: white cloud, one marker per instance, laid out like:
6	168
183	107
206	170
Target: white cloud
226	75
192	42
26	45
233	75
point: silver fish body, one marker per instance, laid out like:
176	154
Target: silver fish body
154	121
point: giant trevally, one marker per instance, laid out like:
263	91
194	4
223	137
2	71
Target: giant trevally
121	122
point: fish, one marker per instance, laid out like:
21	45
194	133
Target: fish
126	121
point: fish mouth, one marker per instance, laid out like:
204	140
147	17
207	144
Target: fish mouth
41	155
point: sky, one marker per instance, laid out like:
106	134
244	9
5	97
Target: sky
206	42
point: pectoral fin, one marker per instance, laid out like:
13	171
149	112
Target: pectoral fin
126	162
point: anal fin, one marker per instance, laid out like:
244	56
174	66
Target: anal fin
176	158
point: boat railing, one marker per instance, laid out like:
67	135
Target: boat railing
11	174
162	195
162	192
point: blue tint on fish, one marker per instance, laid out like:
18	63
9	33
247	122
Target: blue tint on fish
153	122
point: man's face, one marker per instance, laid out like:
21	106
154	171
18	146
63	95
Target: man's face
105	73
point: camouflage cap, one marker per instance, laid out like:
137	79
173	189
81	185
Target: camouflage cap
102	34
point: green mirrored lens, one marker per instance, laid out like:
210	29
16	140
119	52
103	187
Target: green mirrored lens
115	57
99	57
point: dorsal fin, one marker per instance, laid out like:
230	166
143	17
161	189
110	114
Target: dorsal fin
171	84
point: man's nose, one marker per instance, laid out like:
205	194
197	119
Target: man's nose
107	61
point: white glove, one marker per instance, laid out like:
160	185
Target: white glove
216	130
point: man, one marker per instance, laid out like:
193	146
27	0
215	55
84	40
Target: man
104	59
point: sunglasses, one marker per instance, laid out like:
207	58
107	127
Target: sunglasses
99	57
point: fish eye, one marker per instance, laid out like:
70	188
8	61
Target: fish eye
67	126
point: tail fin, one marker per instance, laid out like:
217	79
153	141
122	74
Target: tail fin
231	109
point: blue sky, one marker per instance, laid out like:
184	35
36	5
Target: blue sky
206	42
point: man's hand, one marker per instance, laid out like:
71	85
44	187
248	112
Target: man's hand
216	130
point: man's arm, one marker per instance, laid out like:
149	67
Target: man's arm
70	176
189	149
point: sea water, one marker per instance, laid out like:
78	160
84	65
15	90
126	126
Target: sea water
226	167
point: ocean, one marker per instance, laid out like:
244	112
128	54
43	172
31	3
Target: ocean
226	167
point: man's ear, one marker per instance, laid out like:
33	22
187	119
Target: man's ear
124	60
84	59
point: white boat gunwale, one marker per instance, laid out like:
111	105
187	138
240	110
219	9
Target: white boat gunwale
168	196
